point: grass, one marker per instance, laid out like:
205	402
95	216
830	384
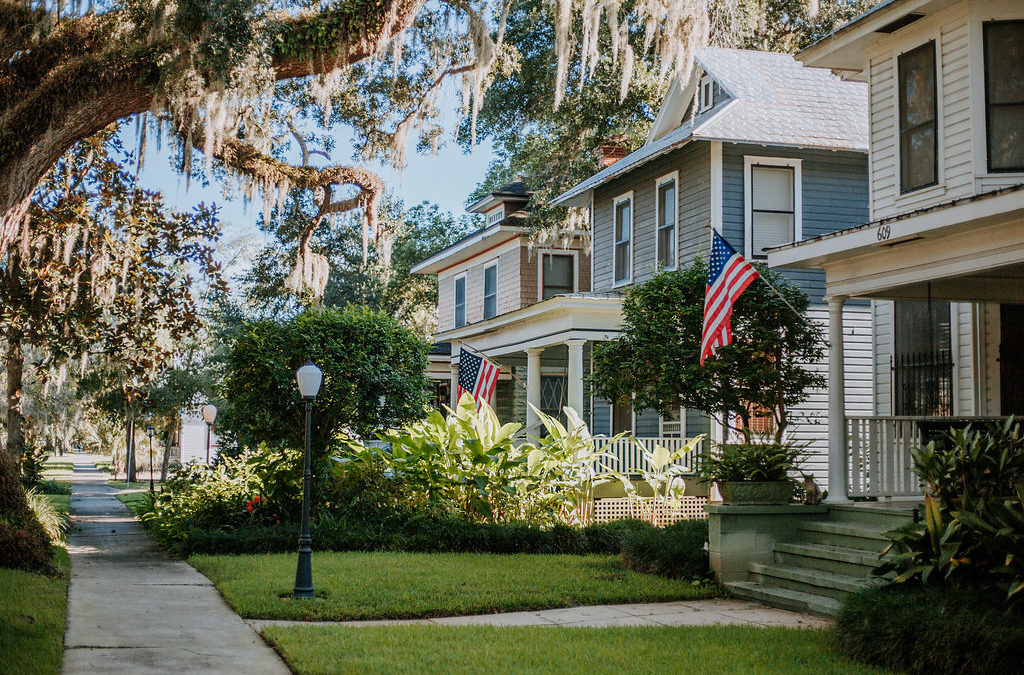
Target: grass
135	485
103	465
59	466
413	585
133	499
539	649
33	608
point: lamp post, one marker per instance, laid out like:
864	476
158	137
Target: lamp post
308	378
209	414
149	430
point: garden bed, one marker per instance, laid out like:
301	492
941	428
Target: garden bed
416	585
311	650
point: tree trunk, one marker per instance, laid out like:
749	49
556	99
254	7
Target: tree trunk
15	368
130	462
167	450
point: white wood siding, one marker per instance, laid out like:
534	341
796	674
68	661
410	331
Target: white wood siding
810	418
962	338
883	314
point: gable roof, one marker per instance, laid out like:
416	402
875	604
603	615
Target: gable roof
773	100
515	191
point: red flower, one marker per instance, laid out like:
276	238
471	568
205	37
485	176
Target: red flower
257	499
250	507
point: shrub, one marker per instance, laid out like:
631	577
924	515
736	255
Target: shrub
750	462
918	629
54	487
33	462
677	551
973	530
54	522
607	537
23	542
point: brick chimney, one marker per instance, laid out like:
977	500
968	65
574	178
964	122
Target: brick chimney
611	150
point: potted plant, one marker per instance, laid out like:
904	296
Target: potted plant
752	473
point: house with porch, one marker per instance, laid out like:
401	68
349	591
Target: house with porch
940	260
767	152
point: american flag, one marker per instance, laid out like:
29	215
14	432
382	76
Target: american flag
477	375
728	276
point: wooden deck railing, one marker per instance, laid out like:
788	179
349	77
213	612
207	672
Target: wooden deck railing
879	461
628	458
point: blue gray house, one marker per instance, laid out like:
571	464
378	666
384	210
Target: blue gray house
768	152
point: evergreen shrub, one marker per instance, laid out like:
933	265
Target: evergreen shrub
23	542
676	551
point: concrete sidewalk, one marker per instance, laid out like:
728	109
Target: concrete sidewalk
132	609
719	611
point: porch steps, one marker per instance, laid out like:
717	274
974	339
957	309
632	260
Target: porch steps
828	559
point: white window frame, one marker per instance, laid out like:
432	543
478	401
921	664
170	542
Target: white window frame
682	423
707	85
496	215
661	181
455	300
902	199
483	305
749	162
625	197
557	251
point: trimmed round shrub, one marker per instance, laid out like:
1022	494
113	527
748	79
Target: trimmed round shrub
677	551
937	629
23	541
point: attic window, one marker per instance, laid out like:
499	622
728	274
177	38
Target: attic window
497	215
707	93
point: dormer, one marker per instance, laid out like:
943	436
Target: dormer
510	200
703	90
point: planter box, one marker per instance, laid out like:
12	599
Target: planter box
756	492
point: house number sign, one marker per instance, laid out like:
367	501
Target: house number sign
883	233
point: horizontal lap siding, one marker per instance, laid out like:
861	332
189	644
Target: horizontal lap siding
834	197
963	339
883	317
809	420
694	194
956	160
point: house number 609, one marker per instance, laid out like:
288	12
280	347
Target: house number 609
883	232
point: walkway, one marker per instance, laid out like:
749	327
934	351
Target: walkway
719	611
133	610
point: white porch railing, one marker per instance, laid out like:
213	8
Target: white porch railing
628	458
879	461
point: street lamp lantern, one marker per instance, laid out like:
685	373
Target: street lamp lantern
149	430
308	378
209	415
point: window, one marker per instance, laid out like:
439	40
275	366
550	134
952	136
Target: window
460	301
623	238
918	113
666	209
672	423
496	216
440	392
622	419
557	275
923	359
773	204
1004	95
490	291
707	93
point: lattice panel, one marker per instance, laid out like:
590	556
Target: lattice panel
689	508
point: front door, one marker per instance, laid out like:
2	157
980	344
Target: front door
1011	359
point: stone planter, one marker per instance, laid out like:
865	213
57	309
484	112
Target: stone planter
756	492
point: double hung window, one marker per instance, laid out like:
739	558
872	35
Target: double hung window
490	291
623	239
666	196
773	206
918	115
460	301
1004	95
557	277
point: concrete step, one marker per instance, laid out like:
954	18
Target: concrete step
785	598
848	535
807	580
886	517
852	562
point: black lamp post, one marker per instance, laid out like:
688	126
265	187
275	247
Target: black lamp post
308	378
209	415
149	430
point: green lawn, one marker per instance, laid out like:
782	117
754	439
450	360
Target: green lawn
134	499
541	649
61	466
32	613
135	485
411	585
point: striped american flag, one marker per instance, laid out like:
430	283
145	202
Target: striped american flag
477	375
728	276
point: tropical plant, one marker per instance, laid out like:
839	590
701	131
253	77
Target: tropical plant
973	528
663	472
53	521
751	462
33	462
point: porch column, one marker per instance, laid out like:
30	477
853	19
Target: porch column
532	387
455	378
837	469
575	375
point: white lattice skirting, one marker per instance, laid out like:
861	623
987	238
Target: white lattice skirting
689	508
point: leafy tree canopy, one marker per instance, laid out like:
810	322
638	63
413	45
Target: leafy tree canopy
364	355
656	362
